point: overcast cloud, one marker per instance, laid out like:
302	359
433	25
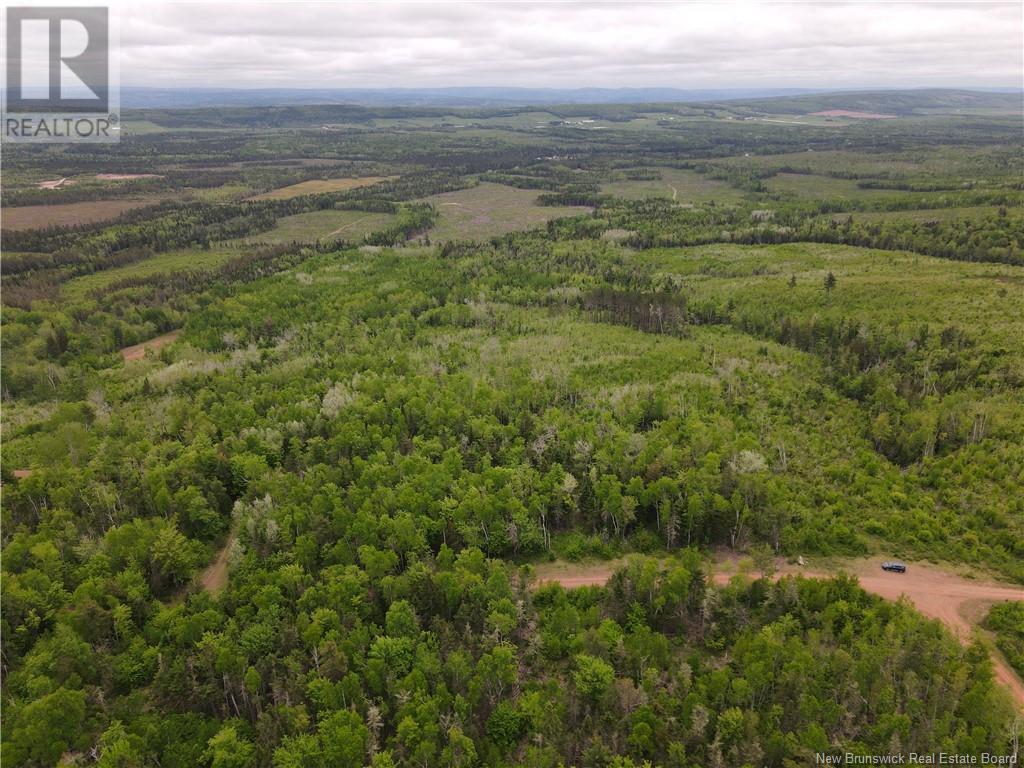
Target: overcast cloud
683	45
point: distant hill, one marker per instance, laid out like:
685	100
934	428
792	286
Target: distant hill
924	101
148	98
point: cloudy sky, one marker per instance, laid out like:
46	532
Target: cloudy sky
680	44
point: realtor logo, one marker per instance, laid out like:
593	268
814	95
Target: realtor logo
58	75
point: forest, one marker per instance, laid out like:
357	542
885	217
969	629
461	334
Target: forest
282	465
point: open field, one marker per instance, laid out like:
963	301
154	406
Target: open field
681	185
127	176
67	214
814	187
351	226
489	209
885	288
853	114
318	186
941	161
931	214
222	194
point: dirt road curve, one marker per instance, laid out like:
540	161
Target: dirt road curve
957	602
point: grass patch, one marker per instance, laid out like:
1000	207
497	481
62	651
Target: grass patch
883	288
186	259
489	209
319	186
351	226
930	214
813	187
676	184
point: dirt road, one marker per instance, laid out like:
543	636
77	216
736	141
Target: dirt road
573	575
215	577
138	351
958	602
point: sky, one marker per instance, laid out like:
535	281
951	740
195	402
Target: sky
571	44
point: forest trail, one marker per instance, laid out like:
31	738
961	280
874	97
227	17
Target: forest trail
215	577
138	351
958	602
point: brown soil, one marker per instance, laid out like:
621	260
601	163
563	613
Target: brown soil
138	351
958	602
572	575
215	577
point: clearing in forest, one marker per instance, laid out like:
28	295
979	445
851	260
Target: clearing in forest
488	210
67	214
127	176
319	186
854	114
812	186
55	183
180	260
681	185
351	226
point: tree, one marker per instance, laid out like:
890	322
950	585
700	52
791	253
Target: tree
592	677
830	282
45	729
343	737
229	750
401	620
118	749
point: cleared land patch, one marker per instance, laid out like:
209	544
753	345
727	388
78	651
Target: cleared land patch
810	186
854	114
67	214
677	184
138	351
891	289
487	210
930	214
319	186
55	183
351	226
183	260
127	176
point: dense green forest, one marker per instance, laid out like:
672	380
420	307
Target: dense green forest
278	470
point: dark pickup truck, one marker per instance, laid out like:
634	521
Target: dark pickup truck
894	566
